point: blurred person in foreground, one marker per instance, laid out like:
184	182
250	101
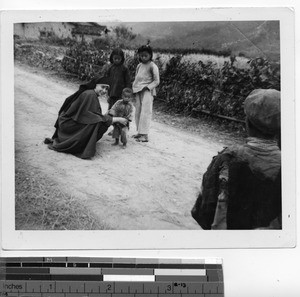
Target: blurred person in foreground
241	188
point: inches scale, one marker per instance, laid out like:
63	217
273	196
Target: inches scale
110	277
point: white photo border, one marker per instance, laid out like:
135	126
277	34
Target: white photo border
162	239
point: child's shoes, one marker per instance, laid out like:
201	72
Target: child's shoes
143	138
116	142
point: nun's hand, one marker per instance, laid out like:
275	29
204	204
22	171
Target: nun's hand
120	120
123	121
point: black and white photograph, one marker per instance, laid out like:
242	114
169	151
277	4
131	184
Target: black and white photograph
149	132
168	124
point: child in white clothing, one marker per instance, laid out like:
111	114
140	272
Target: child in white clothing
145	82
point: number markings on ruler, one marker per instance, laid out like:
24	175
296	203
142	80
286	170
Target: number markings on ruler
115	277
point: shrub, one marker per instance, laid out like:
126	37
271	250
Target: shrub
187	85
218	90
85	60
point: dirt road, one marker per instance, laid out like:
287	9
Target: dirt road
145	186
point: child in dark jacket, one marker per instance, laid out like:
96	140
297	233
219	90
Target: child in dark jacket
118	75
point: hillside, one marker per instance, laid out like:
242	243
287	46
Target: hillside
252	39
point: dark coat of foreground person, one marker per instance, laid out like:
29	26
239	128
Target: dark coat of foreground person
241	188
80	122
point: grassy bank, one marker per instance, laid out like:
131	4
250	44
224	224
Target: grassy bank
41	205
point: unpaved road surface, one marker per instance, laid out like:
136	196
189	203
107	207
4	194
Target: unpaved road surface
145	186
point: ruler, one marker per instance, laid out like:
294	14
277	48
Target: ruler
110	277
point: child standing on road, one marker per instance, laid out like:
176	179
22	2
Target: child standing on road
118	75
122	108
146	80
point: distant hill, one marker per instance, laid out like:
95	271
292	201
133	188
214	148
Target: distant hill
248	38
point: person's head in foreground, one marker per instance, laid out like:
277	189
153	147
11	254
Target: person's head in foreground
262	110
241	188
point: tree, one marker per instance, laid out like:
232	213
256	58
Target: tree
123	35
